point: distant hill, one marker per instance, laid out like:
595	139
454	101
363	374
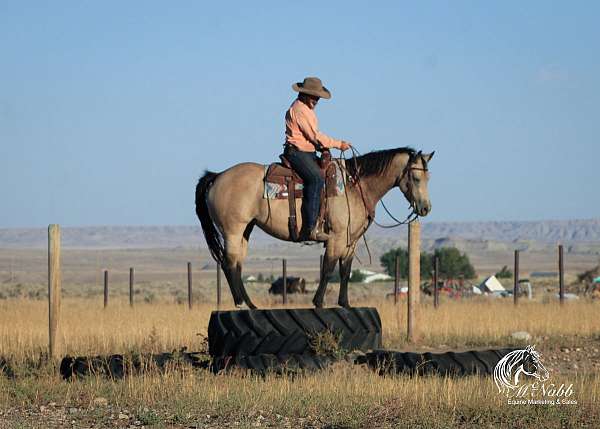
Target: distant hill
436	234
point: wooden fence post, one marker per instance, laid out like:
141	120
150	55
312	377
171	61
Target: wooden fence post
284	267
189	278
131	278
516	278
561	275
105	288
396	279
54	290
436	273
414	278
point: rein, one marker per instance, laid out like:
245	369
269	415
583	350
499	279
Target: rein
412	216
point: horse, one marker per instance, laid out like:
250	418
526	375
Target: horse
230	204
514	364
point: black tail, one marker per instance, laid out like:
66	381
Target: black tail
214	239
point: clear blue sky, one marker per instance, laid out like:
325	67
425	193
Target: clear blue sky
110	111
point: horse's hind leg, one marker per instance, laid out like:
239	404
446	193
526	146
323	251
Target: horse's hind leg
236	247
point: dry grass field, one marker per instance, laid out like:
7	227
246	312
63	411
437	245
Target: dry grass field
342	396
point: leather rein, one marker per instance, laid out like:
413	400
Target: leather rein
407	172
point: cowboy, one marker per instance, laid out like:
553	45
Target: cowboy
302	140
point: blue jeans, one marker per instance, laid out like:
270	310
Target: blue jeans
305	164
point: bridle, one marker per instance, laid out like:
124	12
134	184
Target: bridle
408	174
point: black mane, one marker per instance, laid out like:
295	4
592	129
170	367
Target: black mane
375	163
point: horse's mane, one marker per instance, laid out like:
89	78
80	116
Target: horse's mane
375	163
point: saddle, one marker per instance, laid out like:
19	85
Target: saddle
282	174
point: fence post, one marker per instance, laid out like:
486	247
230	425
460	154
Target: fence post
561	275
131	278
54	289
436	272
190	295
105	288
284	266
516	276
414	278
218	286
320	268
396	279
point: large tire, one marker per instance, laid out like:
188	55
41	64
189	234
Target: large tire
267	363
118	366
444	364
289	331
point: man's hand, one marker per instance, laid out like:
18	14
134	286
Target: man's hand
345	145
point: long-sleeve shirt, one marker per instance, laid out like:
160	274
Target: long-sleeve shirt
302	128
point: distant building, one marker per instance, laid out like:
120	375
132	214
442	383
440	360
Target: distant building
491	285
371	276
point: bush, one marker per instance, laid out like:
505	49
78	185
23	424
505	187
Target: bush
452	263
504	273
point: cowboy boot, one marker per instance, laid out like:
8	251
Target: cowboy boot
318	235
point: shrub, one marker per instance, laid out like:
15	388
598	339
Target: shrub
452	263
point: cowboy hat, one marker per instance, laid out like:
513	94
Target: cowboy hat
312	86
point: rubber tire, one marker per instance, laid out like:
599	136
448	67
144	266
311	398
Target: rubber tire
444	364
288	331
118	366
268	363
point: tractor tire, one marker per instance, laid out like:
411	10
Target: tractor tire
277	364
443	364
118	366
289	331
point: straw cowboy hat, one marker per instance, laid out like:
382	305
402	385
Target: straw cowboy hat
312	86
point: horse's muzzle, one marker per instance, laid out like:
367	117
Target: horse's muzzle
424	209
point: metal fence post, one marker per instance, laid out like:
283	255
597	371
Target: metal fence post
218	286
131	287
284	266
436	272
561	275
516	278
189	279
105	288
396	279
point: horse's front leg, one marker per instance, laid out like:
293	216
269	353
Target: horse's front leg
329	262
345	272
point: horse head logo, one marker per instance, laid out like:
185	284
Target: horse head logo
518	362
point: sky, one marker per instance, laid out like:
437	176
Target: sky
110	111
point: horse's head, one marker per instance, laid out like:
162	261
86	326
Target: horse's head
413	181
532	365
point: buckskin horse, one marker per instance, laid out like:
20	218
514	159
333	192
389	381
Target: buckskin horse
230	204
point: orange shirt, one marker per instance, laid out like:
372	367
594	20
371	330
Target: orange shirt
302	128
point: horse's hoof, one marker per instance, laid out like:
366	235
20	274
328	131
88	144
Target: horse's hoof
344	304
318	304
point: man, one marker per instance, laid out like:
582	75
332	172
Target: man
302	140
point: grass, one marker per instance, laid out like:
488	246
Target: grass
342	396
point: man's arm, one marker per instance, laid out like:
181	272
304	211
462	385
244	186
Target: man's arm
308	126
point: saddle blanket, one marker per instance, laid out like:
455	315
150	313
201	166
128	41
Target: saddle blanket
274	191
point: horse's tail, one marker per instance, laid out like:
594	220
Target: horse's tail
213	236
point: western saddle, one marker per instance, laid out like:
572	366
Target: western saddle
283	174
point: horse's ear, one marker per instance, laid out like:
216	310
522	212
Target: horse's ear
430	156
